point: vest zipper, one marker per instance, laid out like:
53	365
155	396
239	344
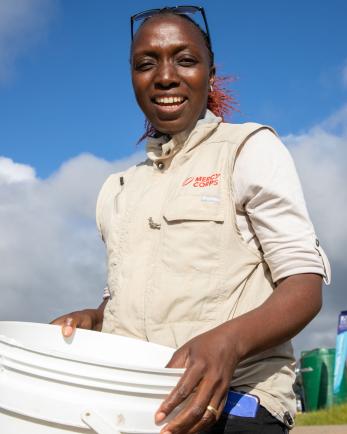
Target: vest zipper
156	246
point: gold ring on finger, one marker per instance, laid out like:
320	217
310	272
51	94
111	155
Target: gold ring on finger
213	410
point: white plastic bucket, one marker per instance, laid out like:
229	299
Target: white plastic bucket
92	382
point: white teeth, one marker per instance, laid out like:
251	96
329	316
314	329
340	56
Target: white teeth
169	100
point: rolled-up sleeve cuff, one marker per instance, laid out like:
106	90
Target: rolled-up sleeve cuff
302	270
316	262
325	262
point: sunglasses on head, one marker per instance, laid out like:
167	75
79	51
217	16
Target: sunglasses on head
179	10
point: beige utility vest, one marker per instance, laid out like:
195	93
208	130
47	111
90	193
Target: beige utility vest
177	264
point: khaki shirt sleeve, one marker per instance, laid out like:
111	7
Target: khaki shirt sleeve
269	190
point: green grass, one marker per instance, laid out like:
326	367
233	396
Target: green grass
336	415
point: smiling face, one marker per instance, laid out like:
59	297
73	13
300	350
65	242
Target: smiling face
171	72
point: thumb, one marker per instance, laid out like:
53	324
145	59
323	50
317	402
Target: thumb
68	327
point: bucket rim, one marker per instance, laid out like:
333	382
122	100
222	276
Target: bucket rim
82	359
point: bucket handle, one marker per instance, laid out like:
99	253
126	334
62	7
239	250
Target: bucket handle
97	423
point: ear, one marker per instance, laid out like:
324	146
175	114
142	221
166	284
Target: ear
212	74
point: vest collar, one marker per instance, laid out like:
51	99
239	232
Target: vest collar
165	147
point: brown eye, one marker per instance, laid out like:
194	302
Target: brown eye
187	61
144	65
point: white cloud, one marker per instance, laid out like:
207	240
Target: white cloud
52	260
22	24
321	158
11	172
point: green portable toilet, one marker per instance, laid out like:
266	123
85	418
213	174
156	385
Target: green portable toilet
317	370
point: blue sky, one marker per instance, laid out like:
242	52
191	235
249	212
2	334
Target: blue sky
68	88
68	118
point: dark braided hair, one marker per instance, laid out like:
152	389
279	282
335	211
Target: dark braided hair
220	100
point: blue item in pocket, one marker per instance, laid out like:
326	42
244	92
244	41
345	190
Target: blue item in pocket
241	404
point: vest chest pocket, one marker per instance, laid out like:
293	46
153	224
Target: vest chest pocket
191	233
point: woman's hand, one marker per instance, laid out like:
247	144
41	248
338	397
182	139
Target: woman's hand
210	360
90	319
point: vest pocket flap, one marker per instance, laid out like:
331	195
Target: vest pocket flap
194	208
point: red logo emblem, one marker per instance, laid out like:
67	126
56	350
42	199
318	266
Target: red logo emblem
188	180
202	181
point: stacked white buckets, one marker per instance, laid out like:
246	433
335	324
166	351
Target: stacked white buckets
91	383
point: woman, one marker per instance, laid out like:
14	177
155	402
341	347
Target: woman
210	248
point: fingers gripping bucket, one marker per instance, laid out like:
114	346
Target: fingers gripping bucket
91	383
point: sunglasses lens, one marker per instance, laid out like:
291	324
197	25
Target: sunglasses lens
144	15
184	10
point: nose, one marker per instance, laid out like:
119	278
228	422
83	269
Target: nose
166	77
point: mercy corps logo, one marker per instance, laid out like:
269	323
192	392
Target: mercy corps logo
202	181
